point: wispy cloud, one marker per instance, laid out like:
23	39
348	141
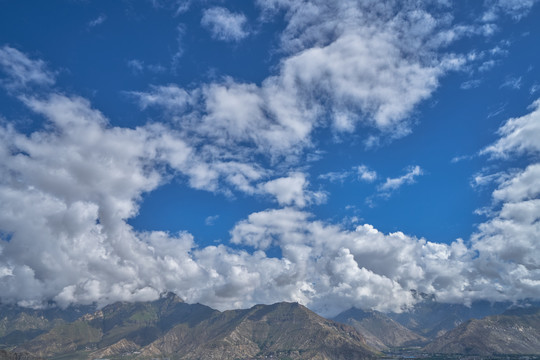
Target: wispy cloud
513	83
137	67
392	184
97	21
211	220
224	24
178	6
20	70
360	172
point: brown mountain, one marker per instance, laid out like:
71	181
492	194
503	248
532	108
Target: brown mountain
283	330
170	328
136	323
380	331
514	332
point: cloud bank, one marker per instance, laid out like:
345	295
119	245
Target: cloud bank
80	179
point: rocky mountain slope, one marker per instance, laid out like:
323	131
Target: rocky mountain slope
8	355
283	330
514	332
379	330
138	323
170	328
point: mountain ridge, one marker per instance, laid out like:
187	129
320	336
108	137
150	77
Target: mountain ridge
168	327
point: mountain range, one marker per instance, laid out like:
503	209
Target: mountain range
171	328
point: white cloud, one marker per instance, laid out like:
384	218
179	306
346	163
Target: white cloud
513	83
365	174
362	267
514	8
181	31
211	220
97	21
224	24
22	71
170	97
79	180
507	242
336	176
521	186
360	172
470	84
138	67
292	190
369	71
179	6
518	135
392	184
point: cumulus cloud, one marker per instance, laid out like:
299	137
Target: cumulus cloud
80	180
508	241
392	184
363	267
21	71
292	190
369	70
225	25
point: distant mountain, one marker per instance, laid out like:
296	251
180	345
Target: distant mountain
7	355
431	319
19	324
380	331
516	331
170	328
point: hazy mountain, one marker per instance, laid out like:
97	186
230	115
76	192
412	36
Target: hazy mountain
380	331
514	332
170	328
431	319
20	324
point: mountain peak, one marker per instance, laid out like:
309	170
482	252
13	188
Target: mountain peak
170	297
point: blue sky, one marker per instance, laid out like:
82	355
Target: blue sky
250	152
